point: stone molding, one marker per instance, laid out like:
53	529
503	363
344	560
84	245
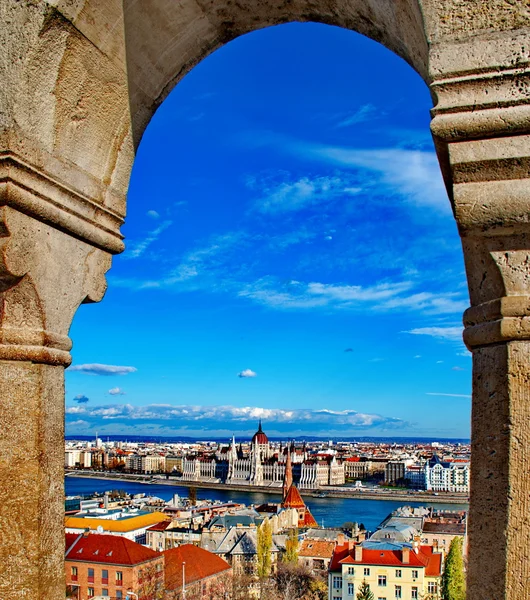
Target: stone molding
37	194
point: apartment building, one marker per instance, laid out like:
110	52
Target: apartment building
393	571
106	565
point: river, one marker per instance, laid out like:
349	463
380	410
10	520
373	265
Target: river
329	512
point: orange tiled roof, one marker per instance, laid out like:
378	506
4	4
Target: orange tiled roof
318	548
107	549
200	564
309	519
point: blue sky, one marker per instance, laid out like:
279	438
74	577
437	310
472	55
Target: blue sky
291	255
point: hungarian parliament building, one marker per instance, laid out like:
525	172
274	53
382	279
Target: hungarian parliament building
264	466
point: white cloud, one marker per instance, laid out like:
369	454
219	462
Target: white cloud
116	391
443	333
153	214
212	416
364	113
247	373
413	174
290	196
137	249
384	296
99	369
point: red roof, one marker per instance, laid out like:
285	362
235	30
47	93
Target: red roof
162	526
107	549
200	564
394	558
293	499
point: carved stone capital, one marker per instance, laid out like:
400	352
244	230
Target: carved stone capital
45	274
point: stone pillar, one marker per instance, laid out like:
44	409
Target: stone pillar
481	127
55	247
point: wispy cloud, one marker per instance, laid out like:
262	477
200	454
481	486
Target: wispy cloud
277	197
312	420
443	333
116	391
449	395
385	296
104	370
138	249
153	214
413	174
247	373
81	399
364	113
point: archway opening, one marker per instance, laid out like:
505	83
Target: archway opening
292	256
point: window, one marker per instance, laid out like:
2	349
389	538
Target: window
350	589
119	595
414	574
381	580
91	576
398	573
366	571
397	591
432	587
90	592
74	573
104	592
414	593
351	570
104	577
119	578
337	582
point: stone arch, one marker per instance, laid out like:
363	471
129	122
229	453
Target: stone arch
80	81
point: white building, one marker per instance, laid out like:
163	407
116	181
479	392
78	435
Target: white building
446	476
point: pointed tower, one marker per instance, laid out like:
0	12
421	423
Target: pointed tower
288	477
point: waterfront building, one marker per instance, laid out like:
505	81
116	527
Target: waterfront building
445	476
263	466
393	571
106	565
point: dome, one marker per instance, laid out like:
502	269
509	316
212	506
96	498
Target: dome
259	436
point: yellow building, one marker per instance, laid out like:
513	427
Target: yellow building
393	571
132	526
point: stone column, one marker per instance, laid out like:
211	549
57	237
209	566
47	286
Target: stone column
55	247
482	129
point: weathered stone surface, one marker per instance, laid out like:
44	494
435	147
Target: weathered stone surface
80	82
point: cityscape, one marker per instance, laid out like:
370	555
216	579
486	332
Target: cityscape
271	545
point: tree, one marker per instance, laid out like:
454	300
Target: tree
264	549
364	592
453	579
291	547
192	495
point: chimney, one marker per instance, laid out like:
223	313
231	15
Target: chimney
405	555
340	539
358	553
86	532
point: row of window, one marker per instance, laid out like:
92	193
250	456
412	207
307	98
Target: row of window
432	587
74	572
415	573
117	594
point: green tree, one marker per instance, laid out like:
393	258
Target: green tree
291	547
453	578
364	592
264	549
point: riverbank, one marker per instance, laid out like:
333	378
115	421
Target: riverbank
328	492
